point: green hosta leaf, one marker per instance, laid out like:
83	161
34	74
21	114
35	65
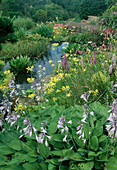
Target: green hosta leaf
94	143
21	158
57	153
3	160
30	166
51	167
44	150
115	154
111	164
53	161
5	150
86	166
12	167
15	144
86	131
103	157
82	152
64	159
76	157
44	166
52	128
58	137
97	131
102	138
30	148
75	121
79	141
62	153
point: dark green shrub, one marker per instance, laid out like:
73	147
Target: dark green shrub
40	15
6	28
91	7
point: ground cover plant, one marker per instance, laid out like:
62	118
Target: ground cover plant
69	121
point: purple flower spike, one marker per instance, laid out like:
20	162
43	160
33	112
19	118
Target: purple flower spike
63	65
95	59
65	58
91	61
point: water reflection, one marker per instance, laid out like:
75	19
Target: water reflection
55	55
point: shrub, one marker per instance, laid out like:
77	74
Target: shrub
44	30
109	17
40	15
91	7
26	23
6	28
32	46
85	37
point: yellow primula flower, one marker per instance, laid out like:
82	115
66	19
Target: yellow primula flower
44	68
40	66
30	80
54	99
50	61
55	44
53	65
68	95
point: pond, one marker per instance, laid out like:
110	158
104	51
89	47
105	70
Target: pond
55	55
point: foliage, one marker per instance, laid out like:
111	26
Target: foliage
6	28
54	11
84	38
40	15
1	68
33	46
44	30
91	7
25	23
63	145
20	64
109	18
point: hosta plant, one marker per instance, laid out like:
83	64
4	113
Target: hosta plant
58	138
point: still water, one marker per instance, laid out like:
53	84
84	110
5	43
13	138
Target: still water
55	55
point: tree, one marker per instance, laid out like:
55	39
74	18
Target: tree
40	15
92	7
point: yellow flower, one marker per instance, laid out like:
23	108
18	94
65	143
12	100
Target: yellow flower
6	71
63	88
55	44
50	61
63	47
84	70
97	48
30	80
44	68
68	95
54	99
53	65
31	95
53	49
57	91
59	61
40	66
54	37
